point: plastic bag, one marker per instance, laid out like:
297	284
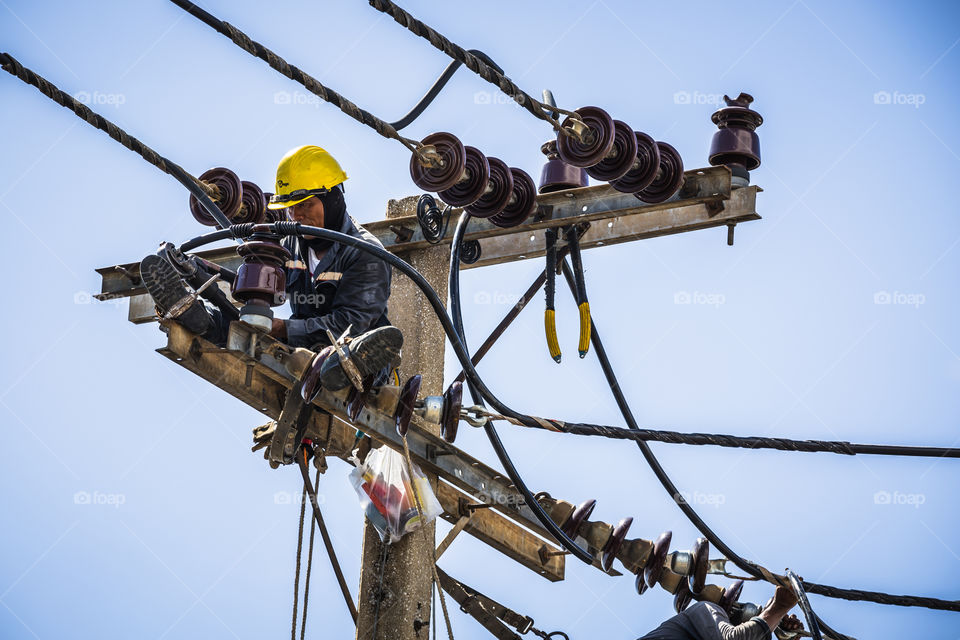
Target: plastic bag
387	495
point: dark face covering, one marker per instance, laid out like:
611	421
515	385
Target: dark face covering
334	211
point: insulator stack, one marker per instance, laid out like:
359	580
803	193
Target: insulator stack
239	200
736	144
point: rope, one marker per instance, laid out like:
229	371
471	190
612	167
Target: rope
296	575
310	83
325	535
201	191
306	582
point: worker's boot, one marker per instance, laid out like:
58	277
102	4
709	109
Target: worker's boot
370	353
171	296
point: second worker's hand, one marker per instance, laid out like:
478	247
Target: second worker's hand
779	605
784	598
279	329
791	623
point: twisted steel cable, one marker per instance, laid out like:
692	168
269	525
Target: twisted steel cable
296	74
724	440
201	191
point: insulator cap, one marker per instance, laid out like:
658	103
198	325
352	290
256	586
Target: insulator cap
736	143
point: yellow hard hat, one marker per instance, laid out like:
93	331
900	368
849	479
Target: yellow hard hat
305	171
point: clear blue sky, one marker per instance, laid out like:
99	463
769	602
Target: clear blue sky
188	540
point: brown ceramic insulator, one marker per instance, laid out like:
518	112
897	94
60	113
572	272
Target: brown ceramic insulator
453	160
654	566
498	191
522	203
730	595
452	403
261	277
612	548
357	399
736	142
700	562
472	184
253	205
273	215
572	526
644	168
229	190
589	152
640	584
621	157
311	378
669	177
406	403
557	175
682	597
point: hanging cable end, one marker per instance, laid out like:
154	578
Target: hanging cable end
550	326
584	345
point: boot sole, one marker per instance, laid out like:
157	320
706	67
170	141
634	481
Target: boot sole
370	354
377	350
164	285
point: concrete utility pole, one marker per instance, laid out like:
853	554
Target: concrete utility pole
404	597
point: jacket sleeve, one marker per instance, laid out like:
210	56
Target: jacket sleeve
709	622
360	299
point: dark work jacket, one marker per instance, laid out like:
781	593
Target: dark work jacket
349	287
707	621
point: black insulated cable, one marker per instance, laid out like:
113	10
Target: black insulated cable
473	62
478	394
438	86
471	375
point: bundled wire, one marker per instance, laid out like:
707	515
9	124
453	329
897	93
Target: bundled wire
431	219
